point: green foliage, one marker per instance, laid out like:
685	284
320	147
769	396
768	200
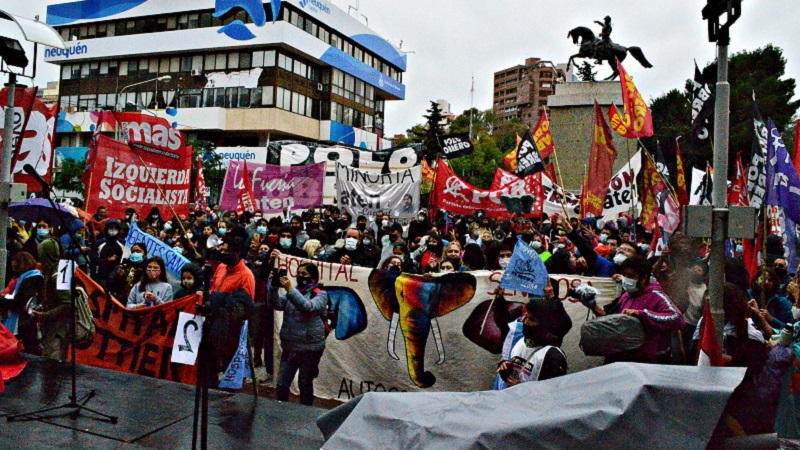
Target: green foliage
478	168
213	169
433	129
585	72
69	177
760	71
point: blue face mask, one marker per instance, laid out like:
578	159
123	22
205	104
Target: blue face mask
222	231
739	249
136	257
178	250
43	233
261	230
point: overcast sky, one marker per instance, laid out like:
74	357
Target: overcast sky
453	40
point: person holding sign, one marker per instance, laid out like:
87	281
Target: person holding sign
56	314
153	288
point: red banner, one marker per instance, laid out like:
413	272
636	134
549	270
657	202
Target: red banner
246	194
200	187
601	167
638	122
147	134
737	191
37	147
542	136
23	103
121	178
139	341
683	193
456	196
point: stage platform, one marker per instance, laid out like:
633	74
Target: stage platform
152	414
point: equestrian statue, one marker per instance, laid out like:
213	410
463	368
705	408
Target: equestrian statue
602	48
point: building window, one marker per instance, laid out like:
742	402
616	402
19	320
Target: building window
284	62
233	60
190	98
267	96
221	61
284	99
197	63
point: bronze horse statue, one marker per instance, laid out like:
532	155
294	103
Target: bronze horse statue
593	47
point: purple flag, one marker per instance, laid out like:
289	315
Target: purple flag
783	190
275	187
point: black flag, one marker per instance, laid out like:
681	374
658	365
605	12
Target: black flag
529	161
455	145
702	111
757	174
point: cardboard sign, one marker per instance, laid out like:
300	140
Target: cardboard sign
187	338
66	269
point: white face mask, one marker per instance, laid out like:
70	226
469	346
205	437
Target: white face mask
350	244
795	312
504	263
113	233
629	285
384	223
618	258
448	270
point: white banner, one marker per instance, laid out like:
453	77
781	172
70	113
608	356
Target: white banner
622	189
363	355
364	193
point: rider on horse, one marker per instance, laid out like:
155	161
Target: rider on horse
605	34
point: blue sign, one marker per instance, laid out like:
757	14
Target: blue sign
239	368
155	247
525	271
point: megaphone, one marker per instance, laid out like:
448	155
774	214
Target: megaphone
213	241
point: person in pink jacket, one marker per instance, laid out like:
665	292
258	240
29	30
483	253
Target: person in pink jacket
646	301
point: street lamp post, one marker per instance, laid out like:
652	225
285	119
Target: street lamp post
164	78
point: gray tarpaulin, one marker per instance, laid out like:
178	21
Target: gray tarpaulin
621	405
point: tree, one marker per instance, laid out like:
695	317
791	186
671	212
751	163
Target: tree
213	169
433	129
478	168
69	177
585	72
760	71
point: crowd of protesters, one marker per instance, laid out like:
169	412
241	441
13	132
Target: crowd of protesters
667	293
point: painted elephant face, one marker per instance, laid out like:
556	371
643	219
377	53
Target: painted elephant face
414	302
351	314
487	325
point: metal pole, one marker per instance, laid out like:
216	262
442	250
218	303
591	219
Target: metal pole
719	194
5	177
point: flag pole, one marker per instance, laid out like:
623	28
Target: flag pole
180	222
633	180
560	175
666	182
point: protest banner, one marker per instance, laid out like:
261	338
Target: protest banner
24	100
301	153
601	162
155	247
525	271
37	146
138	342
364	193
275	187
456	145
621	190
371	303
456	196
119	178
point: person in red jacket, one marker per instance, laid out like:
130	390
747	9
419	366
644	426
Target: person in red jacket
646	301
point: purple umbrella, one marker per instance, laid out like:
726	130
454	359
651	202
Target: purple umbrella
35	209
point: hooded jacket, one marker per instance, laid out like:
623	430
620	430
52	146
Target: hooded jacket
56	304
659	317
74	251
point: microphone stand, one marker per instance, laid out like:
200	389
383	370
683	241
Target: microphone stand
73	403
203	373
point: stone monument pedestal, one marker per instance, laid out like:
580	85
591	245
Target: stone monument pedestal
571	112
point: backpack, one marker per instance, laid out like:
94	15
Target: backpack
331	316
84	320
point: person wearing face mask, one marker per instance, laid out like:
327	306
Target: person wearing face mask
154	218
191	281
429	253
646	301
129	271
75	250
300	234
537	243
153	288
109	251
529	354
353	251
589	263
43	232
56	314
302	333
287	243
394	264
775	308
781	268
420	226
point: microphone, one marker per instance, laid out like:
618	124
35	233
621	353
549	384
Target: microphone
32	172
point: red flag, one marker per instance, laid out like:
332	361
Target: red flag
23	102
542	136
709	352
200	187
510	159
797	146
737	192
638	122
750	251
551	171
683	193
37	146
658	205
246	195
601	165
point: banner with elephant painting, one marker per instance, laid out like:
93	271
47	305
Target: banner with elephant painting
275	187
402	332
364	193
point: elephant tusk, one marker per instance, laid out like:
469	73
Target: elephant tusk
392	335
437	338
